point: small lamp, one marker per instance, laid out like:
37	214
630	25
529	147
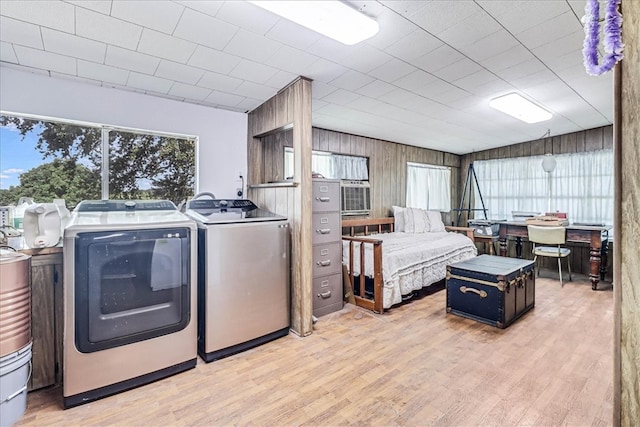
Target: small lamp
548	165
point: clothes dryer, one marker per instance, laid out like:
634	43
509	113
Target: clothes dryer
129	296
243	276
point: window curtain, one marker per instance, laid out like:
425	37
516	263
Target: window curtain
428	187
331	166
581	186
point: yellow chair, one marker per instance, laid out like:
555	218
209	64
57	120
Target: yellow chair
549	236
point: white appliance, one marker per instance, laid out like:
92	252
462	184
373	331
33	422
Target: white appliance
243	276
42	225
129	296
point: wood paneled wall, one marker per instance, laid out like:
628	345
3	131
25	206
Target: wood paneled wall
589	140
288	109
627	218
387	163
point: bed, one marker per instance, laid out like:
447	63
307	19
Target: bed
383	266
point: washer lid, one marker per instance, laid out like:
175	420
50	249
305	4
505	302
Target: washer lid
218	217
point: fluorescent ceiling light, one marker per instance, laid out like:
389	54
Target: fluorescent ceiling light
331	18
520	108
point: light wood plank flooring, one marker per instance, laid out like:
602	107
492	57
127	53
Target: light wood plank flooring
414	365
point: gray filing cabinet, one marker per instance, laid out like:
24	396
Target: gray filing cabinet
327	247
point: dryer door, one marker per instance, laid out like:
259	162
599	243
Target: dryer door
130	286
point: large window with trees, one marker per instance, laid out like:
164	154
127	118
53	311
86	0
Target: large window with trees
47	160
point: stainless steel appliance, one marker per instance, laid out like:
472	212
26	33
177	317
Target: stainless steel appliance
243	276
130	296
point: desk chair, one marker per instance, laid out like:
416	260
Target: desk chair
547	235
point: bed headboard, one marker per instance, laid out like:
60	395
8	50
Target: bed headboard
366	226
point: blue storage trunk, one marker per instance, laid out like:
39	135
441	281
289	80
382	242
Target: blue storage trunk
491	289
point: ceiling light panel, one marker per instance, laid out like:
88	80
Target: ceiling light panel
522	109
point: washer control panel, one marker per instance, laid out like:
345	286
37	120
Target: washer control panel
221	205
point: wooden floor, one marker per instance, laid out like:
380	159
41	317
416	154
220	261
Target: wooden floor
414	365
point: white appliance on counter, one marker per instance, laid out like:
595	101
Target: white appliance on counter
243	276
42	225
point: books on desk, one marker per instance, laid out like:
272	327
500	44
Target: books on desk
547	220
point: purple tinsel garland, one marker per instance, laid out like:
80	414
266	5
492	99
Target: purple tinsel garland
612	37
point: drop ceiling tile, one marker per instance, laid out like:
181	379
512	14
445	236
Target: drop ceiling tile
179	72
351	80
393	70
158	15
521	70
492	89
434	87
372	106
211	8
204	29
341	97
148	83
164	46
292	34
213	60
224	99
7	53
22	33
97	26
101	6
414	45
128	59
219	82
281	79
561	63
320	90
253	71
467	31
324	71
438	59
375	89
249	104
507	59
415	80
524	14
365	58
489	46
292	60
563	46
437	16
404	7
550	30
253	90
317	104
330	49
50	14
473	80
248	16
450	96
45	60
392	27
70	45
540	77
458	70
104	73
189	92
251	46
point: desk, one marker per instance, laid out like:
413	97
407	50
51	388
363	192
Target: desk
596	236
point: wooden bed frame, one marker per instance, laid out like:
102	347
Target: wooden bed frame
358	231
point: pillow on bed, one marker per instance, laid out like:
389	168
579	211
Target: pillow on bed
416	221
398	215
435	221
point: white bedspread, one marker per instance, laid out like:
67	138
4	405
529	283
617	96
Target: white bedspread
411	261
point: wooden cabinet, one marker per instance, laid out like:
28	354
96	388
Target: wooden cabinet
46	316
327	248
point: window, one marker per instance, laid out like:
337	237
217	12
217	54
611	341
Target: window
48	160
330	165
428	187
581	186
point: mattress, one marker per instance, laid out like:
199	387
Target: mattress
411	261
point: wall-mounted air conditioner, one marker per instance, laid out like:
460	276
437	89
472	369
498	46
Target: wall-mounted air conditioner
355	197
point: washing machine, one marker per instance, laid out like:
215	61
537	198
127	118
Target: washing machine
130	275
243	276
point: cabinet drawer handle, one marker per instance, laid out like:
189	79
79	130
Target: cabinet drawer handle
325	295
323	230
323	199
464	290
324	263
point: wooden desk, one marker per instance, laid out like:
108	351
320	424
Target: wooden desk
597	238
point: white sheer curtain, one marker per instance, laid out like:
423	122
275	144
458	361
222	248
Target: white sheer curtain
428	187
581	186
